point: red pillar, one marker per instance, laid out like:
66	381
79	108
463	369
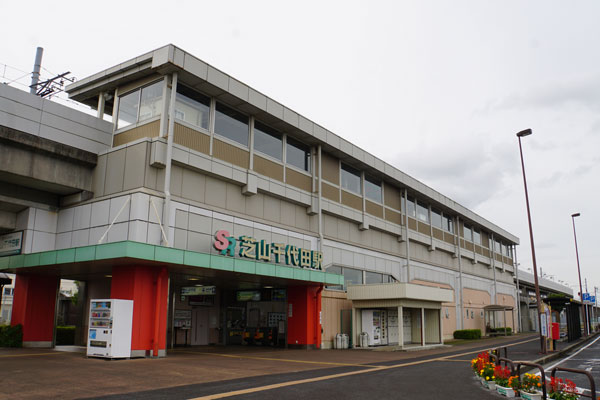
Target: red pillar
304	325
148	288
34	305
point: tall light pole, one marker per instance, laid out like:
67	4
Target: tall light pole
585	324
528	132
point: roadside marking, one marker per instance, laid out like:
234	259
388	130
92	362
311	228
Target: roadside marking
341	375
447	359
33	354
573	355
280	359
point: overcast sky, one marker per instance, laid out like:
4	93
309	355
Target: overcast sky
436	88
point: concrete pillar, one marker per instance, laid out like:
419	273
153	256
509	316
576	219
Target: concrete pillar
34	307
441	326
148	288
400	327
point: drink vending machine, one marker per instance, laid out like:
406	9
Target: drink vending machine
109	334
375	324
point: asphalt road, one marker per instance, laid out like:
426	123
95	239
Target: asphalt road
447	375
586	358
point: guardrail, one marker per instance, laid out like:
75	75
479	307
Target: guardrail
515	367
578	371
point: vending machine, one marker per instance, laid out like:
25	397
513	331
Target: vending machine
109	334
375	324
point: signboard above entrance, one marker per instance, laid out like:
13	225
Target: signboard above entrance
198	290
11	243
249	247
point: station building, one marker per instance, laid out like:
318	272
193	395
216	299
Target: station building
229	218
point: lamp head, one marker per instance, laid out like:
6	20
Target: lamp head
526	132
575	215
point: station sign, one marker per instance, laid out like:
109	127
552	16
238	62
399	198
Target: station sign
198	290
249	247
11	243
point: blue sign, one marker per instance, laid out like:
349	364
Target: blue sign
585	297
593	299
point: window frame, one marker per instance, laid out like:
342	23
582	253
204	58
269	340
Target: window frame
470	228
274	133
371	181
353	172
137	122
298	145
210	105
227	138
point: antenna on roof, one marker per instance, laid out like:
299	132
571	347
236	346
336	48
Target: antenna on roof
49	87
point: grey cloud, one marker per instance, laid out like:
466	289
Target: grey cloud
469	176
585	92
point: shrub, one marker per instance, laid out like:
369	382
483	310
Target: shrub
65	335
467	334
11	336
502	330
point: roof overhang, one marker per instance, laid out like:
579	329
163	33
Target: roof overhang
399	291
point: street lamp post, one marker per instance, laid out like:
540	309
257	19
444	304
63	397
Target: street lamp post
528	132
585	323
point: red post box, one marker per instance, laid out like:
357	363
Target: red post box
555	331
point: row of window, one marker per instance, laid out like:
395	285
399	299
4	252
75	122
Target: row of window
353	276
194	108
474	235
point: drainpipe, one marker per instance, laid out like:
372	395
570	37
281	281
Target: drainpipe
317	315
159	280
407	236
460	275
167	208
319	199
516	266
494	267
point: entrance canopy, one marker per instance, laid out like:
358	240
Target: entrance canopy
490	318
82	263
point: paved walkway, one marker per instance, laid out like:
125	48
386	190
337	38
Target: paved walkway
202	371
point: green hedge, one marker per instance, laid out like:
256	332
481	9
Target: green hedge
65	335
11	336
501	330
467	334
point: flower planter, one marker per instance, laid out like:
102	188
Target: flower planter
490	385
531	396
505	391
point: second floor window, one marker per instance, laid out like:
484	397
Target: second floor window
192	107
297	154
268	141
139	105
231	124
351	179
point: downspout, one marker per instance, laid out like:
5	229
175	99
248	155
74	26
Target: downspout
494	267
407	237
321	237
159	279
460	275
318	326
516	266
167	208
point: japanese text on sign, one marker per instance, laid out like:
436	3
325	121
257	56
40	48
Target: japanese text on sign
249	247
